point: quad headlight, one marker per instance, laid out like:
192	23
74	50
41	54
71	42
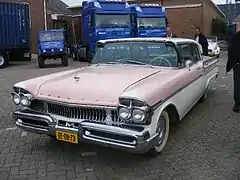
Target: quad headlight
16	99
138	115
21	98
124	113
133	110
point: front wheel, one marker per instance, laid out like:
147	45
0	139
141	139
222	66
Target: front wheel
218	56
65	60
163	129
41	62
3	60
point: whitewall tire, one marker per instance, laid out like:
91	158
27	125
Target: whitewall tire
163	128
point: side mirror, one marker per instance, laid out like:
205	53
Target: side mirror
188	64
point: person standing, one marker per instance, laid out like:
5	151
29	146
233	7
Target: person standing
169	33
201	39
234	63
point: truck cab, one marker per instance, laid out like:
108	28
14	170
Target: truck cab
51	45
104	19
148	20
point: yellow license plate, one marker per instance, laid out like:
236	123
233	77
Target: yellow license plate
66	136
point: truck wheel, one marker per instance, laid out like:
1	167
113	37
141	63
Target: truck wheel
65	60
3	60
41	62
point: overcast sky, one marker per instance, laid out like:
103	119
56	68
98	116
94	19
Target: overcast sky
77	2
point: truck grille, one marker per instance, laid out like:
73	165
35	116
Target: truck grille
91	114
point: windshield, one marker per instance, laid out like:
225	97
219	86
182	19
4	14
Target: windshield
141	53
110	20
51	36
151	22
212	39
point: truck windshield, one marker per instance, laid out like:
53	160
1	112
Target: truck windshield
110	20
51	36
135	52
212	39
151	22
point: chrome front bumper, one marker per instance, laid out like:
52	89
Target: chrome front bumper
134	139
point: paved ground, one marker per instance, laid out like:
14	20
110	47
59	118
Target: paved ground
206	145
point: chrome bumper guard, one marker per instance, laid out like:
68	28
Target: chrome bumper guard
110	136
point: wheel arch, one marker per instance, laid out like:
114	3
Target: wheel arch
172	113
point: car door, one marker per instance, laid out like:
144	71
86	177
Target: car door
192	76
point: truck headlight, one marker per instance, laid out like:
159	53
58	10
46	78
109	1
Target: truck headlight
138	115
61	49
44	50
124	113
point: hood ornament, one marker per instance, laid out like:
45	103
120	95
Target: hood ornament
76	78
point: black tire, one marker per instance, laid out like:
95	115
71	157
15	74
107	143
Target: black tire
163	136
204	96
41	62
65	60
3	60
218	56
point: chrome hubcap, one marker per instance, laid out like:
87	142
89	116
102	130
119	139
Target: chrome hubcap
1	60
161	130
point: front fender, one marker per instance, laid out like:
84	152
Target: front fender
157	112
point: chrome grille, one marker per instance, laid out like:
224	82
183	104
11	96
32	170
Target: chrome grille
91	114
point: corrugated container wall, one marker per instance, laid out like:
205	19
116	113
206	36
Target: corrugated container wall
14	23
36	19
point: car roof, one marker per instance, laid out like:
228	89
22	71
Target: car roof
155	39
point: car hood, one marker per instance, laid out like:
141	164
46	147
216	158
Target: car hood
99	85
103	84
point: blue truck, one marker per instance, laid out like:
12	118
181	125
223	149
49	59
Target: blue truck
148	20
103	19
113	19
14	32
52	45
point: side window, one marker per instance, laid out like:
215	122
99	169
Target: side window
196	56
186	52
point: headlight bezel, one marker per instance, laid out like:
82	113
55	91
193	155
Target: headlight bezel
134	106
23	95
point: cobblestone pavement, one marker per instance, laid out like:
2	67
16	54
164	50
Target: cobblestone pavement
205	145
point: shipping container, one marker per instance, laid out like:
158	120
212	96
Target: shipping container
14	32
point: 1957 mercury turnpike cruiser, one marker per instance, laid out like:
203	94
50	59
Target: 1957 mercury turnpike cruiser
126	98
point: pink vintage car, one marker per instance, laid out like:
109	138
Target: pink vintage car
126	98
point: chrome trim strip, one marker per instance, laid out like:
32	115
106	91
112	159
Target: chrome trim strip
34	116
31	128
88	134
111	129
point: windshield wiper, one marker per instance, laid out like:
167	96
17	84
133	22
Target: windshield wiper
133	62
